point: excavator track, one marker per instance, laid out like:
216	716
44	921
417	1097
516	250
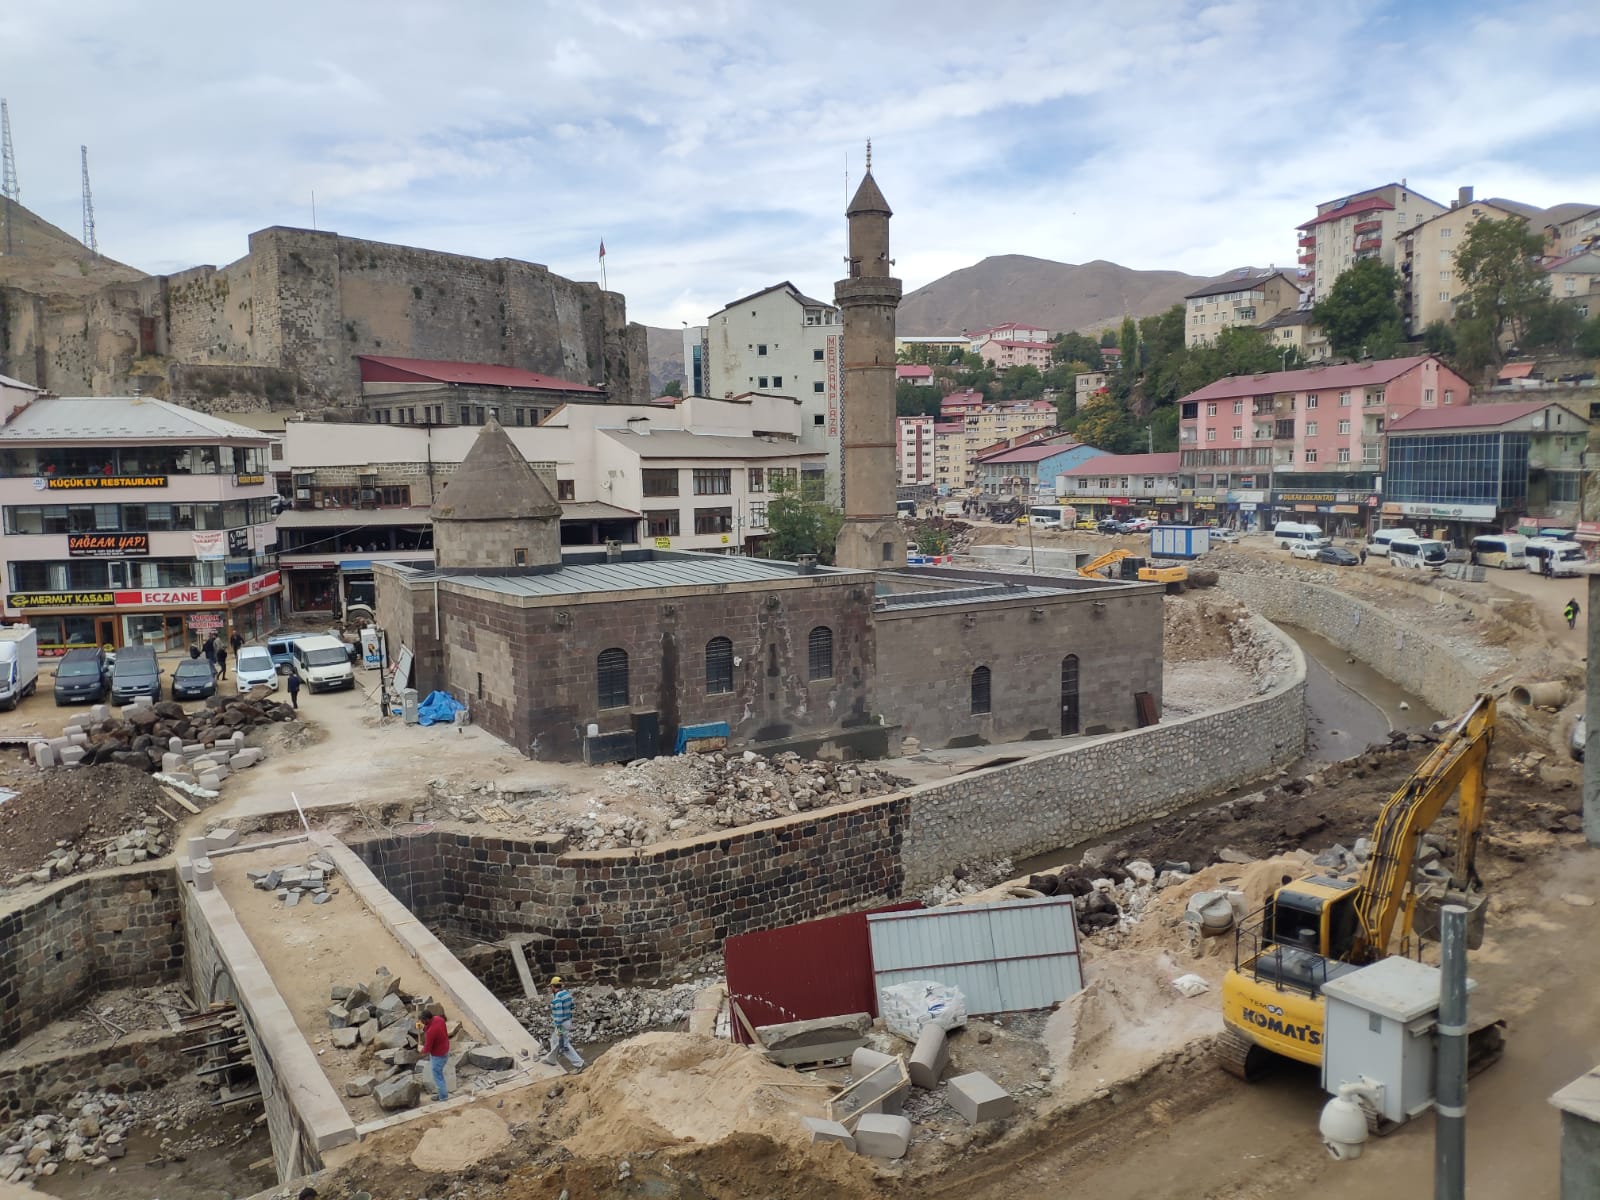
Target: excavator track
1237	1055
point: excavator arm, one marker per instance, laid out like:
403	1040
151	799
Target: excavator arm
1092	568
1458	763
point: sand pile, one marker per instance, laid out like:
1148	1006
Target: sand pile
667	1089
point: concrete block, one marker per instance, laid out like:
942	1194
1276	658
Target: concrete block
58	744
237	739
186	870
171	762
222	772
78	739
209	779
197	848
175	745
820	1040
930	1058
361	1085
243	759
203	881
72	731
221	839
828	1131
43	756
72	756
881	1135
99	713
396	1094
490	1058
886	1090
345	1039
864	1061
978	1098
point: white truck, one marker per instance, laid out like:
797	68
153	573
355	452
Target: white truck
19	664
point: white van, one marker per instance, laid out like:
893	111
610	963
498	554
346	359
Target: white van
322	662
1564	558
1425	554
1504	550
253	667
1288	534
1379	542
1053	516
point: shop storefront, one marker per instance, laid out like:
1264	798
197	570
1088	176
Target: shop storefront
162	618
1350	514
1457	524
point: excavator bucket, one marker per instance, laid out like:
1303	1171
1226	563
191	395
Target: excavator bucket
1426	923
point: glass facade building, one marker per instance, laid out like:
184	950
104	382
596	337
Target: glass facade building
1459	469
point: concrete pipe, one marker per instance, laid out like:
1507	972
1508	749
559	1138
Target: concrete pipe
1550	694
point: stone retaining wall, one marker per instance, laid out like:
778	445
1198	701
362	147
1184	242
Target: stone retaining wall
1424	665
135	1063
626	916
79	936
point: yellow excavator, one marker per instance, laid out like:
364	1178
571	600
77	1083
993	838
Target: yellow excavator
1318	928
1176	578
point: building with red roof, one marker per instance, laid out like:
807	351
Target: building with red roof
1358	226
431	391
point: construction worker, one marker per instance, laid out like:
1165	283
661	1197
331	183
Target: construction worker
1570	612
561	1027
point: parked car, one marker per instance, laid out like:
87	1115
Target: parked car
253	667
82	677
1337	555
1138	525
136	674
1305	549
1580	734
1224	536
194	680
1108	525
1088	523
282	649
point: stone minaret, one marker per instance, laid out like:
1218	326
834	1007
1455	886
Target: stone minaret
871	538
496	512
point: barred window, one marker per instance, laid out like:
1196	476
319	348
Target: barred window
819	653
980	691
612	681
719	666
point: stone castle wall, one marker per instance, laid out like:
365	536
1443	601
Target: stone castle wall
308	302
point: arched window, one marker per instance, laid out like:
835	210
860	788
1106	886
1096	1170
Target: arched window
719	666
980	691
819	653
611	683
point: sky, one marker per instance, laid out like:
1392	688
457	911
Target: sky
710	145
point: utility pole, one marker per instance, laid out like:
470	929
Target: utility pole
1450	1088
89	240
8	173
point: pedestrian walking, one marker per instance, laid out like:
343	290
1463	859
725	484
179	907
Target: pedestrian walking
210	651
222	661
236	641
561	1028
1570	612
294	689
1546	567
436	1045
1363	556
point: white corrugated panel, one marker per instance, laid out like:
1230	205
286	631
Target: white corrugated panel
1005	957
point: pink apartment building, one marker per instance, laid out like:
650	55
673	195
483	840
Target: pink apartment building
1314	437
1007	352
914	449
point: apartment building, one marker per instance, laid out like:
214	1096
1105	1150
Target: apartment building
1011	332
1295	329
915	373
130	521
1568	232
781	342
914	449
427	391
1004	353
1464	471
1029	470
1314	436
949	455
1429	283
1247	298
1351	228
1088	383
1575	280
1124	485
931	349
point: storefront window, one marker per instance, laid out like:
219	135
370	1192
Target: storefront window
145	629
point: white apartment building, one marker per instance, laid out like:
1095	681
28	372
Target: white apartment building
1428	259
914	449
1361	225
779	342
1011	332
1249	298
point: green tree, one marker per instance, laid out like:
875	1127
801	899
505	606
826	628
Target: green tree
915	400
1498	262
1588	340
1552	324
1360	315
1164	429
674	388
1074	347
1476	347
1108	339
1162	336
1019	383
799	524
1439	338
1102	422
1128	343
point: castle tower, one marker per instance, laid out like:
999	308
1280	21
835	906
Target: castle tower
496	512
871	537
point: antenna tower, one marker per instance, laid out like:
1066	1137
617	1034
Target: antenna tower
8	173
89	239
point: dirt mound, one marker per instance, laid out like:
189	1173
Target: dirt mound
672	1089
77	806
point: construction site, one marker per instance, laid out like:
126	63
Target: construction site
222	999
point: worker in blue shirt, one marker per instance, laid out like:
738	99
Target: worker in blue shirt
561	1032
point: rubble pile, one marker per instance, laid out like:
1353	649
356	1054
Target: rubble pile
295	882
1108	896
966	880
164	736
612	1014
381	1020
93	1127
145	841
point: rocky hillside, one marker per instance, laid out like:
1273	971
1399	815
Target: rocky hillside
1037	291
666	357
50	261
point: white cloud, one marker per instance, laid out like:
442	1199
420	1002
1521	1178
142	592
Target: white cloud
706	142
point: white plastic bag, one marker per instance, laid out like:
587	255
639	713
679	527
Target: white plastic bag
1191	985
907	1007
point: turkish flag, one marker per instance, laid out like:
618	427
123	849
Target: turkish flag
602	249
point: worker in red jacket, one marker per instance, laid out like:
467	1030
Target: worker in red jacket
436	1045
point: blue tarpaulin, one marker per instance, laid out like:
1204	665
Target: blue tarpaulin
440	708
693	733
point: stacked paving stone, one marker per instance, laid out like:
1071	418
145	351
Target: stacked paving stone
293	882
163	736
381	1017
93	1129
138	845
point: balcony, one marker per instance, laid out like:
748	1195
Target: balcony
1369	243
1310	239
1305	259
1367	227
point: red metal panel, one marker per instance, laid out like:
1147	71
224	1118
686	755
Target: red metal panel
818	968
